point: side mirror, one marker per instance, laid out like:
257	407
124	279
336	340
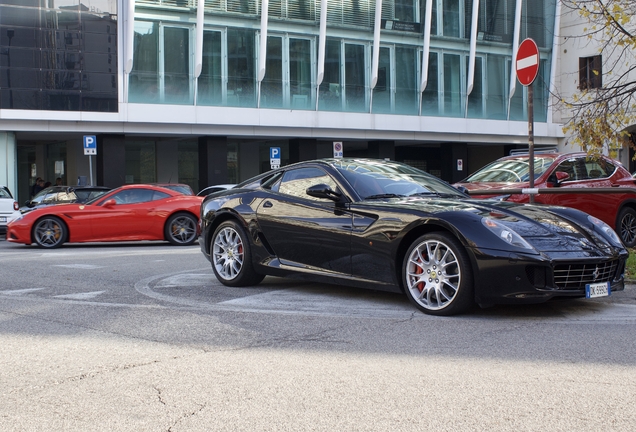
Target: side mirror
323	191
462	189
110	203
557	178
27	203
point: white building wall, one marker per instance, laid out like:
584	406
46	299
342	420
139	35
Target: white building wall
575	44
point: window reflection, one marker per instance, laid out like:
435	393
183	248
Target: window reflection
59	55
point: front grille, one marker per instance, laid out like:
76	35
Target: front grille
576	276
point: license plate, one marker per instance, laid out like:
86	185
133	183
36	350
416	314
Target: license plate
601	289
3	219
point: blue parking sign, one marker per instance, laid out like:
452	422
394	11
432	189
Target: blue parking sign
90	145
274	157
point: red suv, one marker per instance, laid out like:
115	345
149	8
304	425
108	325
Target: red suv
563	171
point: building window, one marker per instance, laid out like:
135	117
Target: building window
590	72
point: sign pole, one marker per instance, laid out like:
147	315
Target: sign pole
90	169
527	67
531	138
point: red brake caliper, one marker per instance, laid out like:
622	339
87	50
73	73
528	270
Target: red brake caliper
419	270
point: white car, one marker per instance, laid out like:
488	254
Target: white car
9	208
216	188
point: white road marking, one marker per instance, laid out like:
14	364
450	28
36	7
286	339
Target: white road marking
314	301
187	279
80	296
20	291
79	266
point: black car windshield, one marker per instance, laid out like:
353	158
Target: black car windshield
510	170
373	179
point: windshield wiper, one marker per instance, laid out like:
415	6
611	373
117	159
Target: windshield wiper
439	194
388	195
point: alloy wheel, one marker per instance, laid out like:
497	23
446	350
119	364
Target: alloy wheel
227	253
433	275
183	229
49	233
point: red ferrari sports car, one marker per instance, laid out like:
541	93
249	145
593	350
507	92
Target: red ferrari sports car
131	212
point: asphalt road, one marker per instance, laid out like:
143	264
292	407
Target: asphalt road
141	337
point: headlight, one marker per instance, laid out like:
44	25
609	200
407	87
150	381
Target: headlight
606	229
506	234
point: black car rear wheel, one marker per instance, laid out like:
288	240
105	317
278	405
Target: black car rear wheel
627	226
230	255
49	232
437	275
181	229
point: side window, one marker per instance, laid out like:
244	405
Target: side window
295	182
50	197
571	168
66	197
135	196
598	168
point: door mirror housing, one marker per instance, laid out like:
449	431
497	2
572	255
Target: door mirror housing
558	177
323	191
110	203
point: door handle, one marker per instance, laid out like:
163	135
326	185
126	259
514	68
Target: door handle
268	204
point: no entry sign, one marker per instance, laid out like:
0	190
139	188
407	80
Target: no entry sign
527	62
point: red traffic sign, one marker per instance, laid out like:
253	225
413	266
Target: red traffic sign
527	62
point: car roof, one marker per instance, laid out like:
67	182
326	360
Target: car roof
178	187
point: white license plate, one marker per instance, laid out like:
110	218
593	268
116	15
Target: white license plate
601	289
3	219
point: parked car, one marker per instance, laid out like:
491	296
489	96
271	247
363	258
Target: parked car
388	226
54	195
563	171
131	212
177	187
9	209
213	189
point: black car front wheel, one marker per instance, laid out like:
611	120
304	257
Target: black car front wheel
230	255
181	229
49	232
627	226
437	276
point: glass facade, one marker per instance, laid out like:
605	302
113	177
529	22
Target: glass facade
230	57
64	57
58	55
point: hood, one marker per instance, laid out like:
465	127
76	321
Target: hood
547	229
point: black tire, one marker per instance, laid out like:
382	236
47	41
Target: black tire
181	229
50	232
231	257
447	285
626	226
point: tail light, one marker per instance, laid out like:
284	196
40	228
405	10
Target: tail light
16	207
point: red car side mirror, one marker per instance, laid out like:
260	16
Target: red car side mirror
110	203
562	176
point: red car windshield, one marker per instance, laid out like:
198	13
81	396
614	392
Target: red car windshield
510	171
